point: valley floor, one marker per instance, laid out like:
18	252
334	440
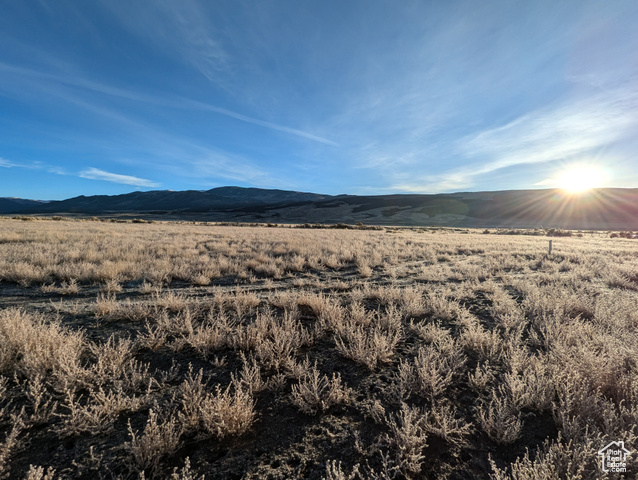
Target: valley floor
178	350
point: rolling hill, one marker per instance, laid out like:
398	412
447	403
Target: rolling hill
609	208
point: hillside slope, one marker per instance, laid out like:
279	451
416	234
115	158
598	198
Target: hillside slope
609	208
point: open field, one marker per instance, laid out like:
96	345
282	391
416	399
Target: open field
180	350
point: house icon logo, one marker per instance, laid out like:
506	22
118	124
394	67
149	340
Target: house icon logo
614	457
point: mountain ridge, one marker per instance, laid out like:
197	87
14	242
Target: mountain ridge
606	208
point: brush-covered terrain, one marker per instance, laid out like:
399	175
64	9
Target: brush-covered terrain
188	351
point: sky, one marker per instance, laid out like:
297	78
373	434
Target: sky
358	96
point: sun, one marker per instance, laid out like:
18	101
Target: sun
580	178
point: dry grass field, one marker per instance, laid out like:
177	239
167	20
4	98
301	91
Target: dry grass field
186	351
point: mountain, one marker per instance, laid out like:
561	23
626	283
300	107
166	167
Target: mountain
19	205
167	201
607	208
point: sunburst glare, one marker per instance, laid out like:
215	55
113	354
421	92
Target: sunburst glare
580	178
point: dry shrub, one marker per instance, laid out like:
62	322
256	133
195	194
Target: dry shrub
554	460
110	308
482	377
408	437
441	422
364	269
31	346
316	393
325	308
500	419
442	308
11	443
97	413
431	372
114	366
171	301
369	346
159	440
42	403
186	473
207	337
529	383
112	287
249	376
228	411
38	473
486	343
69	288
581	413
334	471
431	332
274	339
243	303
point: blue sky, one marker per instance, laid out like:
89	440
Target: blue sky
361	97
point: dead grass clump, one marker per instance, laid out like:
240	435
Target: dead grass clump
334	471
530	384
482	377
440	307
43	406
442	422
67	288
114	366
227	412
250	378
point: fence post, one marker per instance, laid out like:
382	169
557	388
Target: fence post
550	248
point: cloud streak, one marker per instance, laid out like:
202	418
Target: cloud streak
574	130
564	132
168	101
97	174
190	39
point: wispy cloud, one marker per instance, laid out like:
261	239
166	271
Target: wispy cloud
571	131
97	174
169	101
181	28
566	131
89	173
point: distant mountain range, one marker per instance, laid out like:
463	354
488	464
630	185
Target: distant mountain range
608	208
